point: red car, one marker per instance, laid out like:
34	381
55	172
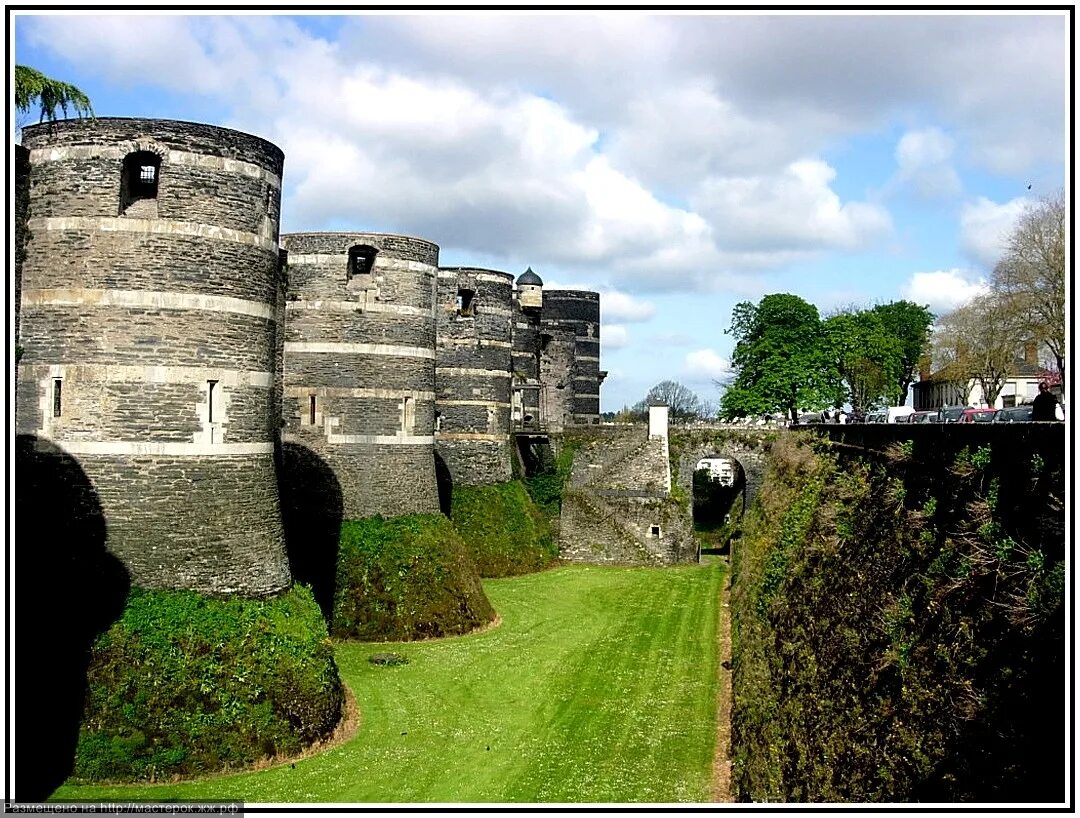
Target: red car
977	416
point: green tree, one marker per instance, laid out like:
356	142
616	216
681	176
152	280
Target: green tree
867	359
909	323
1031	275
780	360
35	90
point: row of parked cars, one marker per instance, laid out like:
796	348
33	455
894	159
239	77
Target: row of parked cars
961	414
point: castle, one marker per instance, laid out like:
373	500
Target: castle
170	339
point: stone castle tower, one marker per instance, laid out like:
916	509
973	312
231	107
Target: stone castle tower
570	358
473	372
148	330
359	382
168	338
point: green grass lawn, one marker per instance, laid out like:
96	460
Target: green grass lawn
598	686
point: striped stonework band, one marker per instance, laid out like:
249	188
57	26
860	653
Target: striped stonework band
145	448
469	342
472	436
389	350
384	440
126	373
147	300
163	227
359	306
172	157
342	260
349	392
492	403
507	279
461	370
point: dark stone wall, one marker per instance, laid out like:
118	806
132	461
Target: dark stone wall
22	213
578	312
474	405
375	405
135	315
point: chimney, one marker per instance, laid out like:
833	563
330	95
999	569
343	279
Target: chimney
1030	354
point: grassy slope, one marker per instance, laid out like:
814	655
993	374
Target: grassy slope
600	685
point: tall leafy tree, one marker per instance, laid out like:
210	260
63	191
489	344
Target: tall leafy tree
1031	275
35	90
867	357
780	360
909	323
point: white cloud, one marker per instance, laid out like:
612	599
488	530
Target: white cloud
620	306
924	160
613	336
795	210
706	363
943	290
985	226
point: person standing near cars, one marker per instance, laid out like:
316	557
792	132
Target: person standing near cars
1044	407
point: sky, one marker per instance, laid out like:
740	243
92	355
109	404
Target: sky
678	163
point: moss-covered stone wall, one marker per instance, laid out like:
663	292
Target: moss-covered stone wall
898	618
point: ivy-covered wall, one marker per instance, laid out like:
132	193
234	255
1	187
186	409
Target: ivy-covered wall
898	618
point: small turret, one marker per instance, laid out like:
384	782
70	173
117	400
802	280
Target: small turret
530	290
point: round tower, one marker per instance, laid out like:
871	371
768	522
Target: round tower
359	370
570	357
147	328
472	374
525	384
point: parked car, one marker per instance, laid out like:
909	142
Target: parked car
809	417
1013	414
977	416
923	417
898	414
951	414
876	417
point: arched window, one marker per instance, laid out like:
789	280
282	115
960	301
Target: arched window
139	182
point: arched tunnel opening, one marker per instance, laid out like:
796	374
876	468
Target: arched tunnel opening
719	496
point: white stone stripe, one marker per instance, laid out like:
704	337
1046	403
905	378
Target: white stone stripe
524	354
357	306
495	403
381	262
146	299
587	340
174	157
348	392
461	370
497	279
165	227
586	358
162	448
586	378
469	342
385	440
472	436
390	350
123	373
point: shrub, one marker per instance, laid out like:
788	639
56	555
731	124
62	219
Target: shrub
186	684
406	578
506	534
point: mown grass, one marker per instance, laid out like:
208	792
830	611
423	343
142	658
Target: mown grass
598	686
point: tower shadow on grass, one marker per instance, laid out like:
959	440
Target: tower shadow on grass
311	512
444	482
68	590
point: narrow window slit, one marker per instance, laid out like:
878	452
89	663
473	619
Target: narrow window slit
210	401
312	410
57	406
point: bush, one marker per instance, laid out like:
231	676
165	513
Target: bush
506	534
186	684
406	578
